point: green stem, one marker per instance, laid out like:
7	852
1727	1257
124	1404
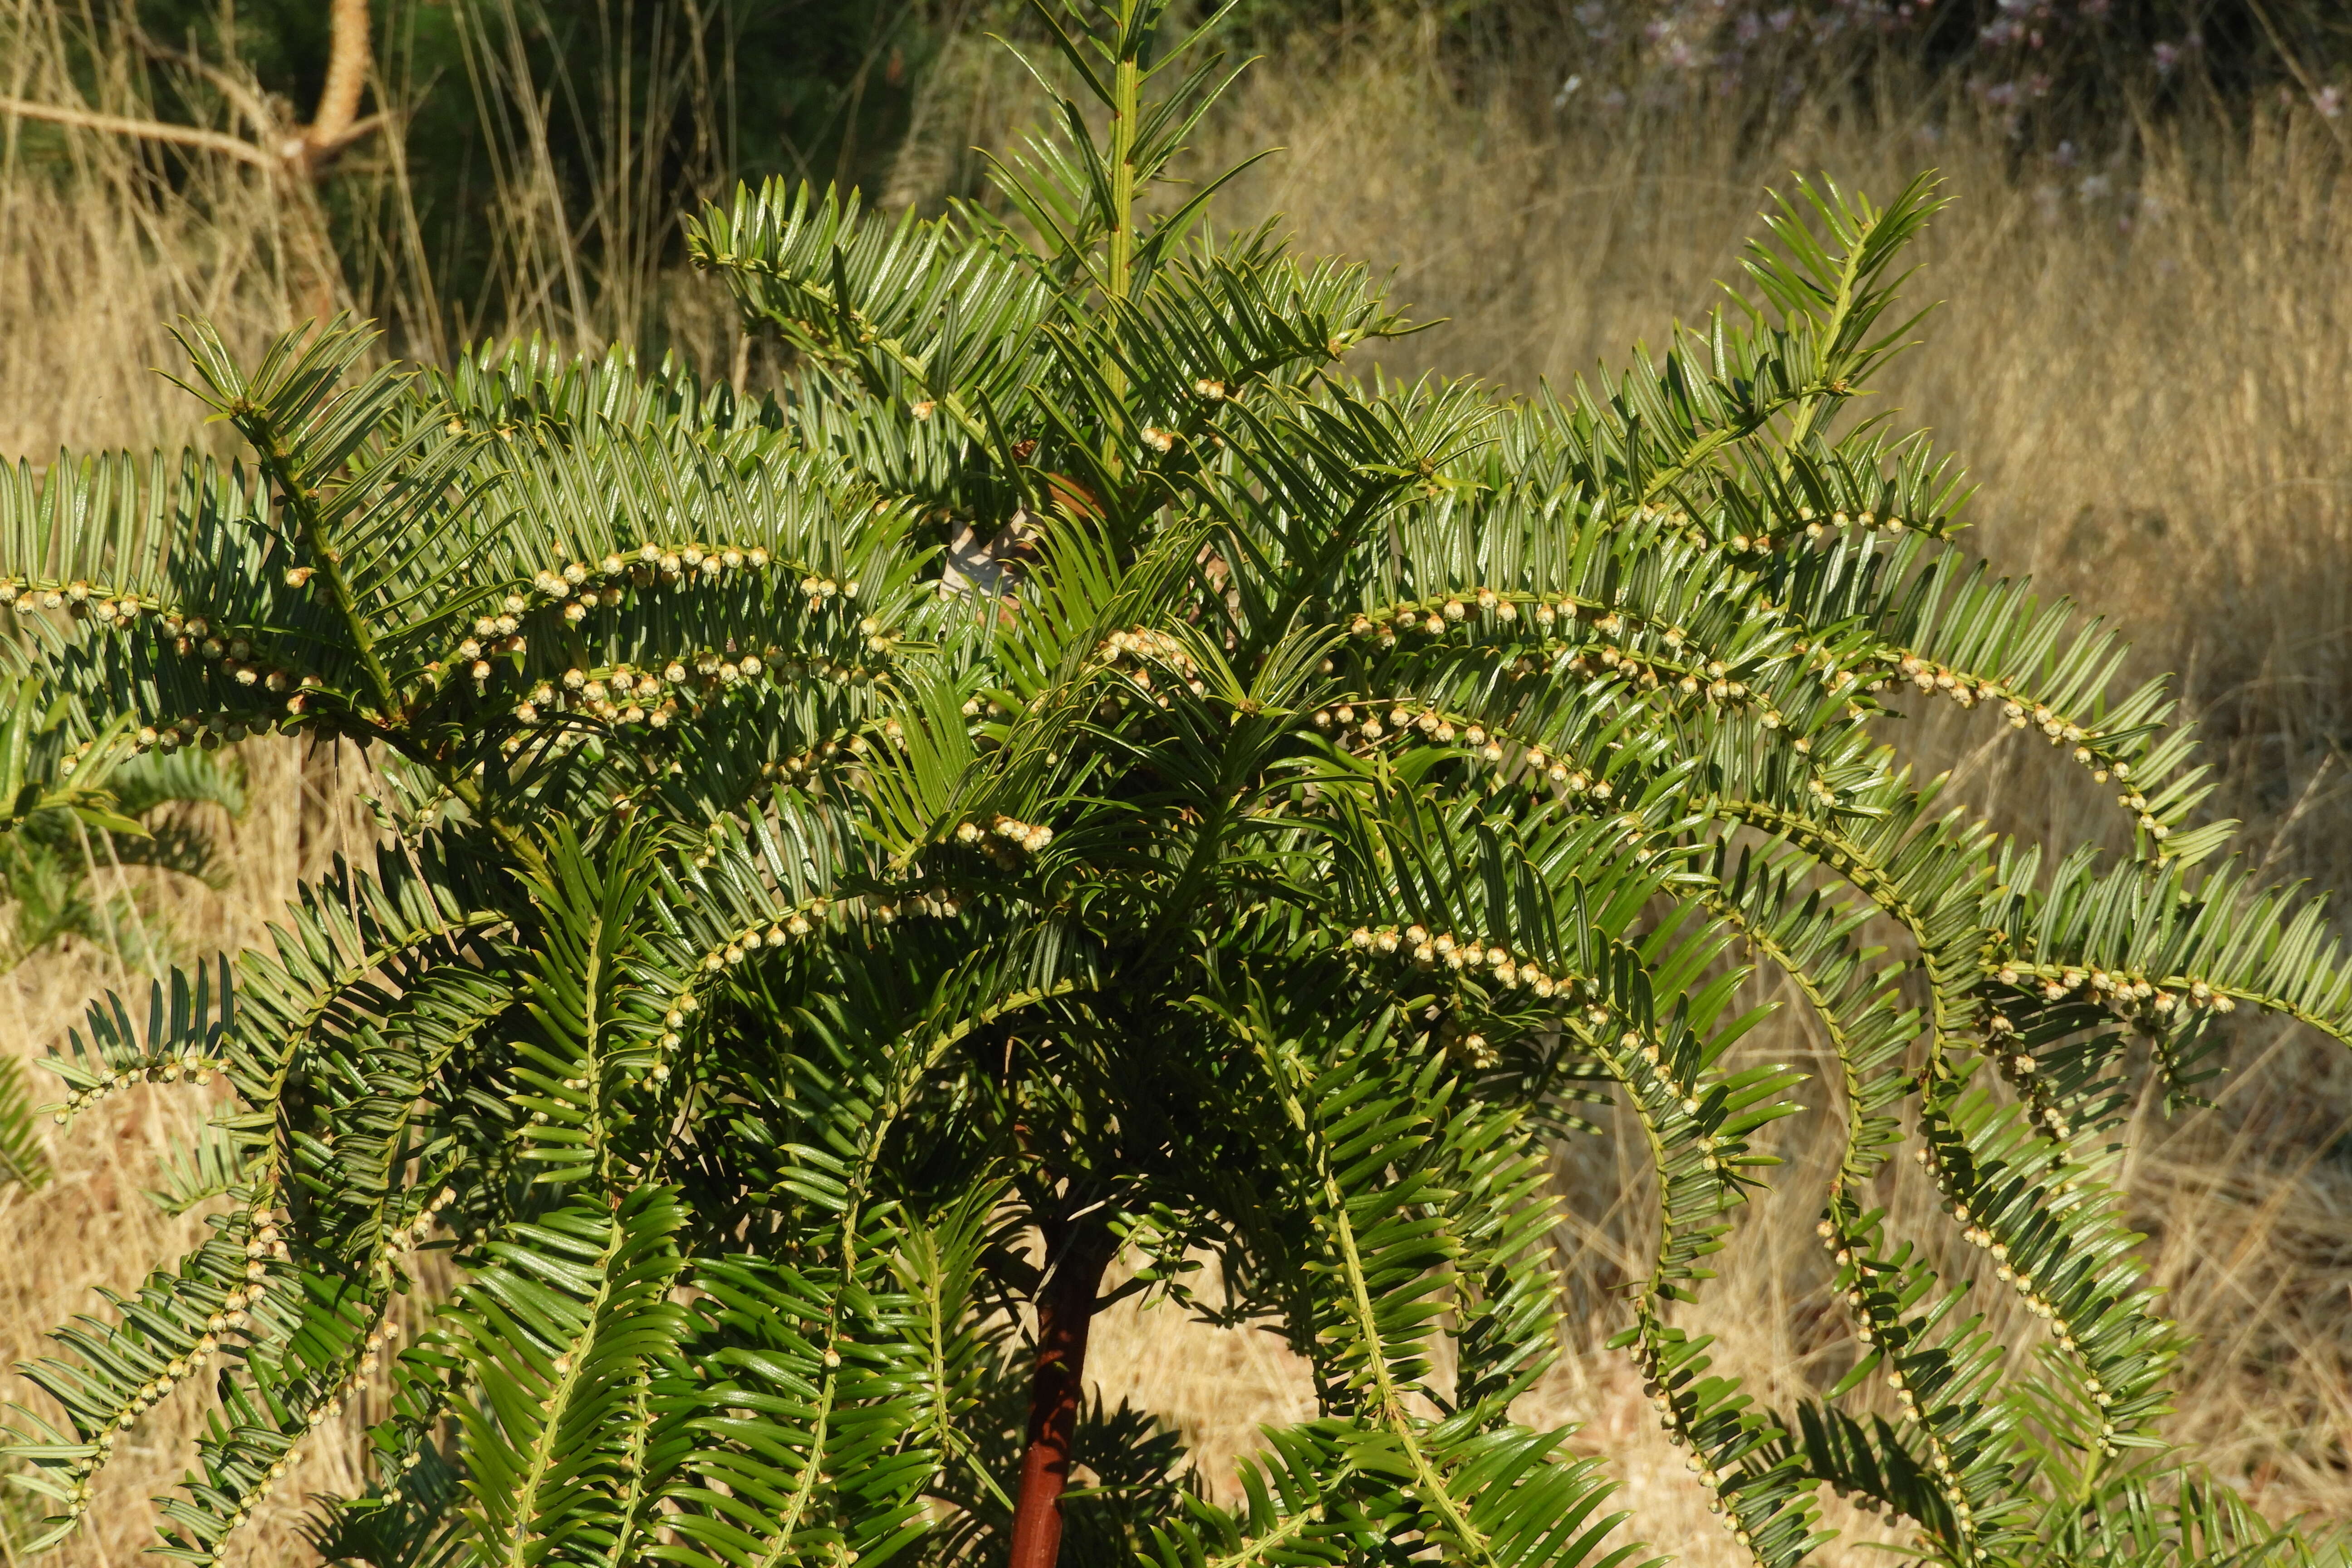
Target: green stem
303	502
1851	1171
505	832
1826	381
1435	1493
455	781
1125	86
1862	873
1126	82
545	1452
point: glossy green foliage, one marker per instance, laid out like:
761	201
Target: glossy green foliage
63	807
1085	765
73	809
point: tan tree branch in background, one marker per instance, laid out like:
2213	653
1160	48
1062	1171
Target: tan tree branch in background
151	130
297	152
336	122
301	150
243	95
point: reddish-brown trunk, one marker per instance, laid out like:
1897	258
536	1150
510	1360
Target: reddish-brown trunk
1065	1309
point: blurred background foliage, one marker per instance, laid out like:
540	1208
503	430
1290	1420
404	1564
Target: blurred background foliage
546	147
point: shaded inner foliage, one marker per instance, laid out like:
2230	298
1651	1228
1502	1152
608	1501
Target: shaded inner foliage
1085	777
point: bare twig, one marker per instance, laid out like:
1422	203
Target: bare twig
241	92
149	130
281	148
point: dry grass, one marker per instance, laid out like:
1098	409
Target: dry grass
2154	391
106	240
100	251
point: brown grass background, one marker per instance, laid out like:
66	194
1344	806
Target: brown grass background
2149	377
